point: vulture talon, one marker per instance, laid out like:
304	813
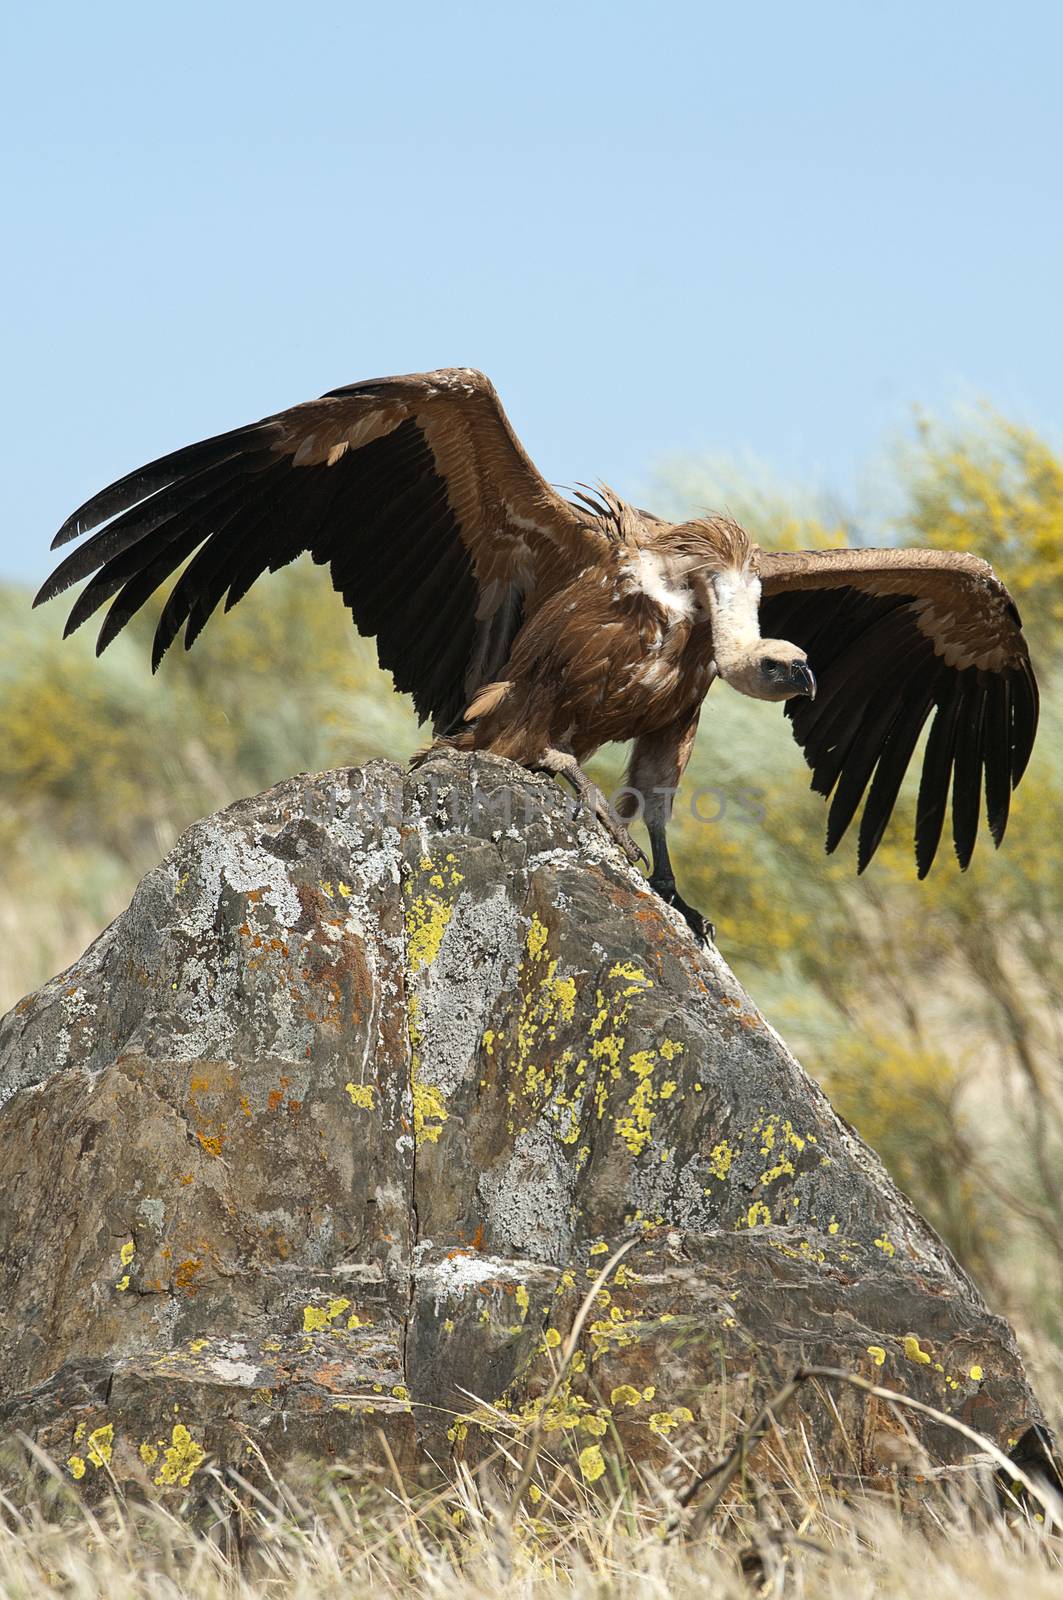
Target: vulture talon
620	835
702	929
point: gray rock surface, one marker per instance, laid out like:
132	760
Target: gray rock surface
324	1140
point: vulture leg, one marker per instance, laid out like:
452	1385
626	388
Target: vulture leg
592	799
658	761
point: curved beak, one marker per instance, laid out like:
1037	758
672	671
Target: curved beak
803	679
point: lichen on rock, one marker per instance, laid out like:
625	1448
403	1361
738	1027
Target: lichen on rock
335	1127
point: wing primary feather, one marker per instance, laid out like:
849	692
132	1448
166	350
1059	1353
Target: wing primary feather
830	748
1025	707
135	486
149	550
866	746
997	755
967	775
143	585
934	780
231	522
142	520
205	579
889	773
850	679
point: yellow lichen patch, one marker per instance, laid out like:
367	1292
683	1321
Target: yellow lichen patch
625	1394
636	979
784	1167
127	1252
429	1109
522	1300
361	1095
664	1421
564	992
99	1444
886	1245
123	1282
183	1457
76	1466
551	1338
877	1354
757	1214
599	1249
913	1352
721	1159
976	1374
400	1391
148	1454
428	915
318	1319
591	1464
635	1129
197	1345
616	1329
540	1073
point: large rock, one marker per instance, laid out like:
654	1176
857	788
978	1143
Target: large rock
326	1137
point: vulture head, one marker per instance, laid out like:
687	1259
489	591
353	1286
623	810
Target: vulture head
770	669
764	669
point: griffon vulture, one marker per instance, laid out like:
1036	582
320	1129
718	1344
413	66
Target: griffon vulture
539	628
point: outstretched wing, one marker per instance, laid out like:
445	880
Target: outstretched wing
894	636
435	525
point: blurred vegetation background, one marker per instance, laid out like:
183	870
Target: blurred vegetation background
931	1013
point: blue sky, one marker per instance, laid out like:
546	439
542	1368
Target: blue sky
764	229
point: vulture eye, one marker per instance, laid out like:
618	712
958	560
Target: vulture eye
771	665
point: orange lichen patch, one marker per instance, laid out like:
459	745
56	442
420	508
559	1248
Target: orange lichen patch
211	1142
185	1276
186	1178
275	1098
245	1106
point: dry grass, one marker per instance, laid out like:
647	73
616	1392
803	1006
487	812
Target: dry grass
758	1519
333	1533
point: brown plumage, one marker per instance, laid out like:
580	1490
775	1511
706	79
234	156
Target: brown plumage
539	628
